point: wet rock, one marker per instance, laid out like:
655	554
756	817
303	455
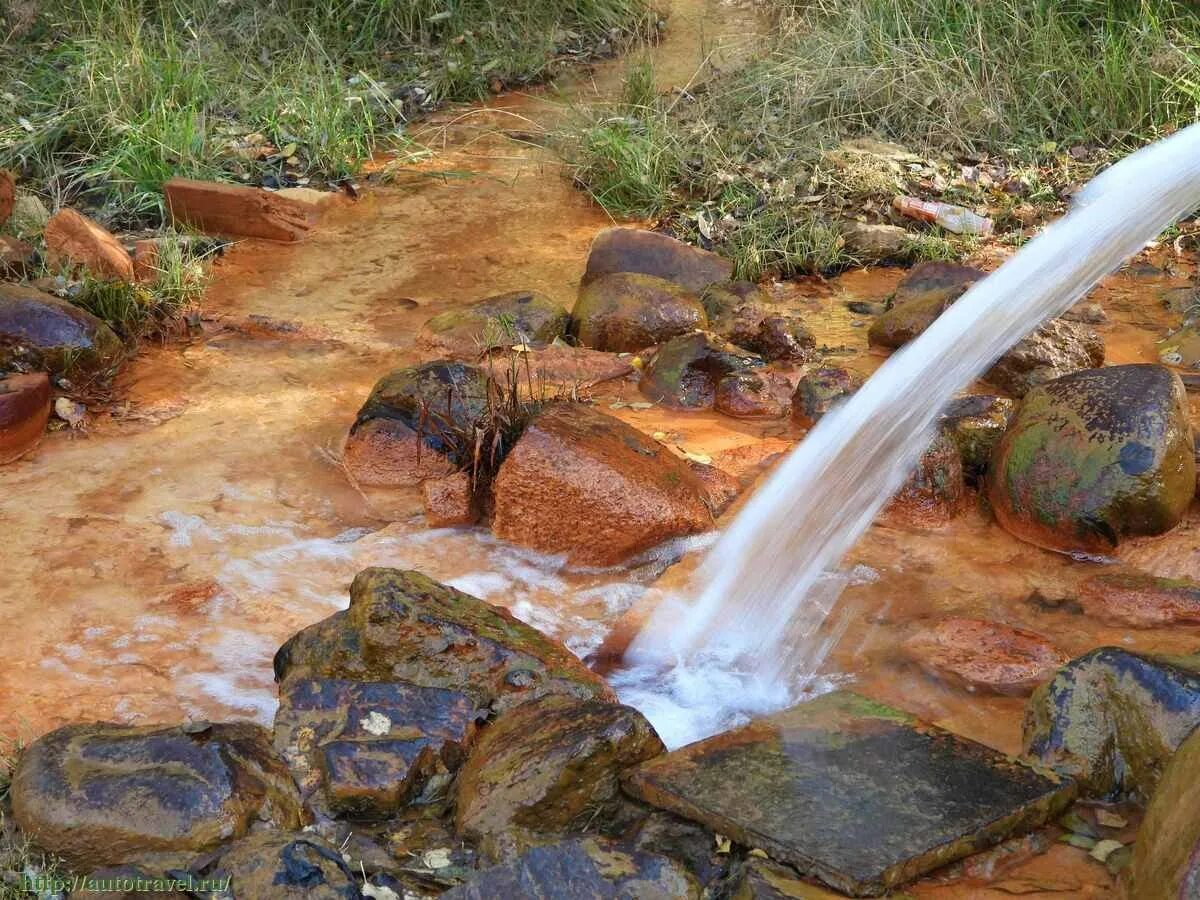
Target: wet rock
564	368
762	879
8	195
231	210
719	488
449	502
651	253
415	424
784	338
403	626
24	412
1087	313
687	842
40	331
901	324
753	395
820	391
29	217
685	371
586	484
930	281
1057	348
626	312
935	491
976	424
370	747
850	791
74	241
1141	600
1181	348
550	766
582	869
520	317
1095	457
1111	719
1166	854
980	655
282	866
16	257
875	241
103	794
728	302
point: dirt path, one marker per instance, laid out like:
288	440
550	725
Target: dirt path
153	565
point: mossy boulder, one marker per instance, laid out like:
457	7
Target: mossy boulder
1111	720
733	304
1166	854
412	426
1056	348
820	390
686	370
651	253
520	317
625	312
40	331
1095	457
901	324
976	424
585	484
103	794
404	626
551	766
924	294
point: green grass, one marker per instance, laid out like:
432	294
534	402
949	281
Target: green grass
743	162
108	98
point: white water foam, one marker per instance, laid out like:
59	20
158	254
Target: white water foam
764	614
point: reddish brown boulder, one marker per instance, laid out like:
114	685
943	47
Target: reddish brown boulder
75	241
753	395
1141	600
980	655
585	484
626	312
388	453
16	256
719	487
449	501
8	195
24	412
935	491
232	210
1058	347
651	253
145	261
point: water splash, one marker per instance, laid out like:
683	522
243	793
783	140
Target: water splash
765	608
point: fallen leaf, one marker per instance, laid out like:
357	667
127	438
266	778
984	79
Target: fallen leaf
761	854
379	892
1074	821
436	859
641	405
701	458
1082	841
1110	819
724	845
1118	860
1104	849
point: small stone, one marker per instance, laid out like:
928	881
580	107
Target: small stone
1057	348
286	866
976	424
651	253
980	655
16	257
145	261
70	411
41	331
783	338
626	312
869	242
935	491
753	395
527	317
75	241
29	217
686	370
820	391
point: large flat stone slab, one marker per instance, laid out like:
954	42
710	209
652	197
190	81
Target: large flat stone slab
852	792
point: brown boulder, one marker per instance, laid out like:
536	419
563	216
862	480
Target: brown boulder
563	368
651	253
820	391
782	338
626	312
1141	600
685	371
935	491
924	294
24	412
980	655
145	261
586	484
370	747
232	210
552	766
75	241
1166	854
403	626
976	424
1057	348
520	317
868	241
104	794
450	501
753	395
40	331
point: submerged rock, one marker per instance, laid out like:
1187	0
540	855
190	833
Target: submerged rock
753	395
24	412
582	869
104	794
520	317
852	792
283	866
1095	457
924	294
403	626
1057	348
550	766
980	655
371	747
626	312
650	253
40	331
1141	600
1166	854
935	491
74	241
416	423
686	370
1111	719
820	391
783	338
976	424
586	484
